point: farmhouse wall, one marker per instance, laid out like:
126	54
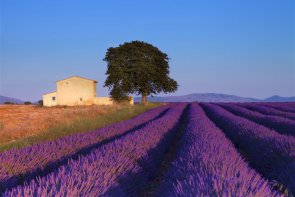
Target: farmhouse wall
50	99
76	91
102	101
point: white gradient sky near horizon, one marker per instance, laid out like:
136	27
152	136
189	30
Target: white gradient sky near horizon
244	48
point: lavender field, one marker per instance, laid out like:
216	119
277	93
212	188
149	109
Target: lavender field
180	149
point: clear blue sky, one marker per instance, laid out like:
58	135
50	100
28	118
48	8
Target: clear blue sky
244	47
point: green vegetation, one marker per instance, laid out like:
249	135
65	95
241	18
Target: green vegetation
137	68
27	102
40	103
9	103
81	124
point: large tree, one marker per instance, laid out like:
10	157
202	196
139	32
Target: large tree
137	68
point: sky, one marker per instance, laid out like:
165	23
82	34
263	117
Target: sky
245	47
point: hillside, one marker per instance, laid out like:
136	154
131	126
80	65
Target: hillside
4	99
201	97
214	97
277	98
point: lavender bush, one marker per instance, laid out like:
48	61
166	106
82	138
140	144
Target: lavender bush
268	110
280	124
287	107
207	164
269	152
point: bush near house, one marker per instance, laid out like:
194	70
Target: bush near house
9	103
40	103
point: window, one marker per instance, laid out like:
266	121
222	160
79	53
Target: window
53	98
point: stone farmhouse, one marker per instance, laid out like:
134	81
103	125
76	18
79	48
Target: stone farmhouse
76	91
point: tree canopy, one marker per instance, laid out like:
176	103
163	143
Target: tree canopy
137	68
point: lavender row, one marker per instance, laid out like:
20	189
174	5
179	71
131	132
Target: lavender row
287	107
115	169
268	110
18	165
271	153
287	104
207	164
280	124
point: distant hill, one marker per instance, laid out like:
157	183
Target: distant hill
214	97
200	97
277	98
4	99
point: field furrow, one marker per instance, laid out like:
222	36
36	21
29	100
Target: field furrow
158	174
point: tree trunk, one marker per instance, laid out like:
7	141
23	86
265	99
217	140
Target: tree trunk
144	97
